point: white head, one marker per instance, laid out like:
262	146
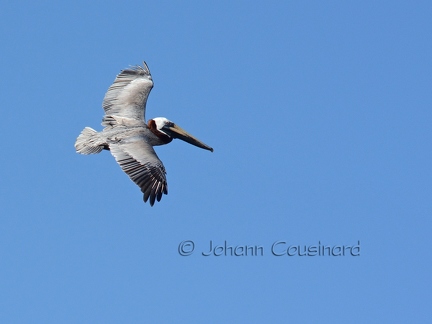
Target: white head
162	122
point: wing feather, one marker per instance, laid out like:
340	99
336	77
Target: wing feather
126	98
139	161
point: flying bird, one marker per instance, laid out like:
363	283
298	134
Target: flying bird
129	138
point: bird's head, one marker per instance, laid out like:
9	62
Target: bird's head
171	130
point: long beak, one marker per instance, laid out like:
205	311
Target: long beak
178	132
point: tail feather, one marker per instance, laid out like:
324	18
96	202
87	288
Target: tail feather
87	142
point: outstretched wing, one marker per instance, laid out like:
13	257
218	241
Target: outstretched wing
140	162
126	98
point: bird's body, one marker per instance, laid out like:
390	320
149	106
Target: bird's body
129	138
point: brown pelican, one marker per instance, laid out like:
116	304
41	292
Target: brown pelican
127	136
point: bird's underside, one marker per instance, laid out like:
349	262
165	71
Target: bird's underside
132	151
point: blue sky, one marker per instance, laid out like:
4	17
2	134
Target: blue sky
320	116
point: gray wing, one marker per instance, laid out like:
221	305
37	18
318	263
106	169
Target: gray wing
126	98
140	162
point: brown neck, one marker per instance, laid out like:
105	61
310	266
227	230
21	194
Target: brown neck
163	137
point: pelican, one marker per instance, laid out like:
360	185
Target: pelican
129	138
